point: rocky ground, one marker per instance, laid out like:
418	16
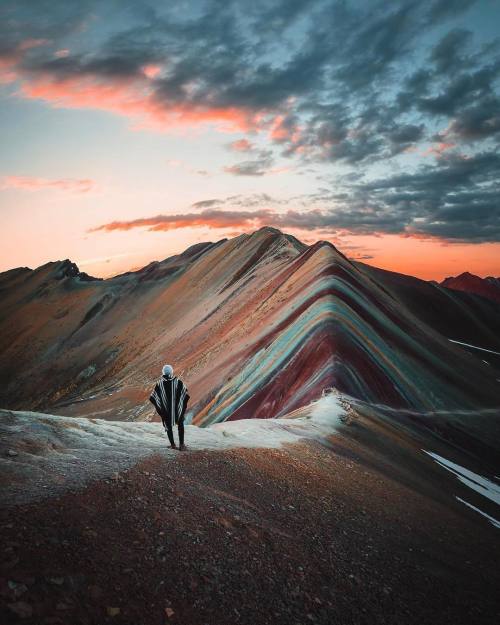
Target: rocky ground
308	533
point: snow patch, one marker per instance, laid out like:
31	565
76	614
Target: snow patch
318	420
55	453
491	519
474	481
482	349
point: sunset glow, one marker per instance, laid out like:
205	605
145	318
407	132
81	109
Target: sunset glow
127	140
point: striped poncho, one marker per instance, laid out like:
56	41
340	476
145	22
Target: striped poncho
170	398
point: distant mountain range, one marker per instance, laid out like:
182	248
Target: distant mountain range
486	287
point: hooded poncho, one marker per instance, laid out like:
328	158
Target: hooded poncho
170	398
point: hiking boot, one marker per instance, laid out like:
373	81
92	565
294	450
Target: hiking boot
174	446
182	447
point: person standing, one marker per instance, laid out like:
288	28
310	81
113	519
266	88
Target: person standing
170	398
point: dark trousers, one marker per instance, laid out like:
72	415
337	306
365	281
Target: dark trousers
170	433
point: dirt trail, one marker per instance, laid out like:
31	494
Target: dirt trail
303	534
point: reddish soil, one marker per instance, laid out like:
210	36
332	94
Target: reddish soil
306	534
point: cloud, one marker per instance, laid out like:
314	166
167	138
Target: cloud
404	136
456	200
350	88
257	167
479	121
253	200
260	165
323	96
362	257
458	86
31	183
447	55
215	218
241	145
206	203
443	9
437	149
210	218
145	71
310	220
134	98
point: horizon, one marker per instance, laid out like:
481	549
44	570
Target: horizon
159	260
136	130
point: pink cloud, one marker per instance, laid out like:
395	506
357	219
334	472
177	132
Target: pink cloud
61	54
438	149
10	60
211	218
241	145
282	130
133	98
31	183
7	71
27	44
152	70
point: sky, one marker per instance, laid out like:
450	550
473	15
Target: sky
134	129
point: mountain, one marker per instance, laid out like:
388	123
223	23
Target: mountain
469	283
347	465
258	325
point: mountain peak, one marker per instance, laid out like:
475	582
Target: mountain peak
468	274
470	283
267	229
68	269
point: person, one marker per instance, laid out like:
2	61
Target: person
170	397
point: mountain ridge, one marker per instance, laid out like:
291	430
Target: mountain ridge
258	325
70	268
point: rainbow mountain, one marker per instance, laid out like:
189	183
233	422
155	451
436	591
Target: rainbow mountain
258	326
